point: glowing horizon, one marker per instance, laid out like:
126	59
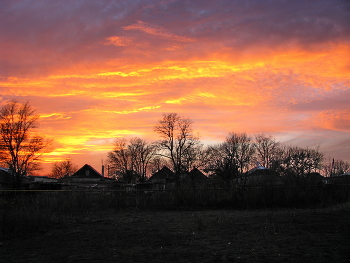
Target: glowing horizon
97	71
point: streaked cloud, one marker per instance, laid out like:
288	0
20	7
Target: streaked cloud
156	31
118	41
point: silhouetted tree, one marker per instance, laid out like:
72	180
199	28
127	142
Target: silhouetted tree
196	157
223	164
178	141
244	147
63	169
231	158
157	163
297	162
121	162
334	167
142	154
21	148
267	149
129	160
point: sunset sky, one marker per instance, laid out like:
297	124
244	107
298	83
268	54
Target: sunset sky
98	70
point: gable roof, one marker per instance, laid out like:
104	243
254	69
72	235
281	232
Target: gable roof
164	173
87	171
197	174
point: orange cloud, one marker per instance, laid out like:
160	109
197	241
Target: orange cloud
333	120
118	41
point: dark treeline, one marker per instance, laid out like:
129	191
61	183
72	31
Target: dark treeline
181	150
243	171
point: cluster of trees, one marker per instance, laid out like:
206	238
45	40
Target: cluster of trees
180	149
177	148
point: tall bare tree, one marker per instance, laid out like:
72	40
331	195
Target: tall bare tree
244	149
63	169
177	140
267	149
142	154
21	148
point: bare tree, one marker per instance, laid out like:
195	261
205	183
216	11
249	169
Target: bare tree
196	157
129	160
157	163
142	154
21	148
121	162
222	164
231	158
334	167
63	169
245	149
267	149
299	161
177	140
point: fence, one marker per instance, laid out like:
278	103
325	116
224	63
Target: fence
34	210
236	198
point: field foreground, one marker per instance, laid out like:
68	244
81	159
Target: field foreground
321	235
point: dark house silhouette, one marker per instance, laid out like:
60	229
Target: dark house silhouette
87	171
194	179
41	183
166	179
259	176
85	177
314	179
6	179
163	179
197	175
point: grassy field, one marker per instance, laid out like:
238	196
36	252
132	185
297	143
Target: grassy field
132	235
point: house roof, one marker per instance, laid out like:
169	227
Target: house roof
262	171
87	171
164	173
257	168
197	174
5	169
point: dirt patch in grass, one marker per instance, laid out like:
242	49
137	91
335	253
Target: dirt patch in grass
188	236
